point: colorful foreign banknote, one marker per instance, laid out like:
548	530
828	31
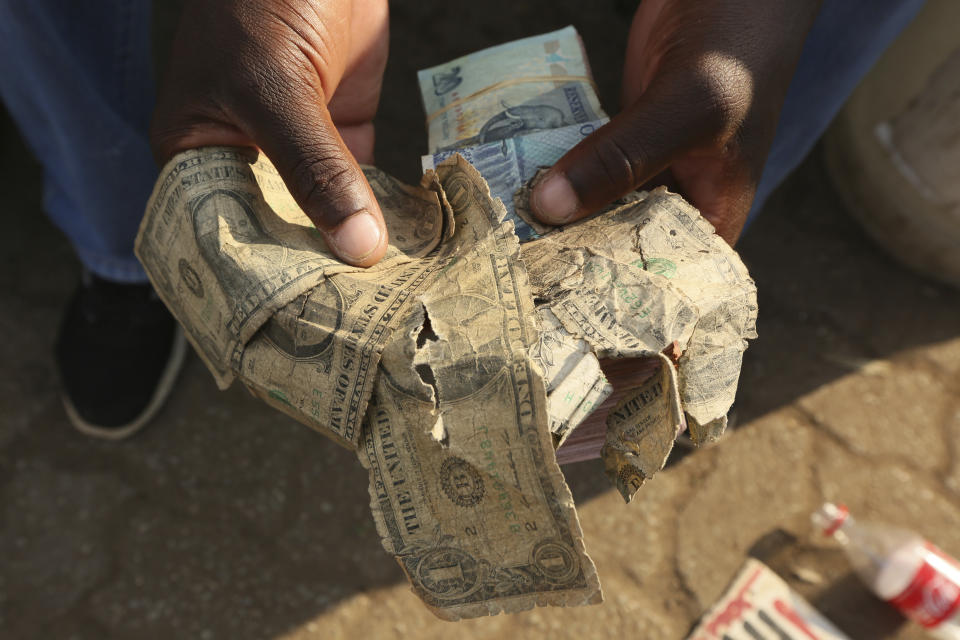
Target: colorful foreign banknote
509	91
509	164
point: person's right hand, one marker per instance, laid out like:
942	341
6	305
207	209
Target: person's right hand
703	85
298	79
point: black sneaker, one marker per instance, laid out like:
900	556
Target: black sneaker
118	354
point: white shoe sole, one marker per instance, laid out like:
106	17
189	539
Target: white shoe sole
160	394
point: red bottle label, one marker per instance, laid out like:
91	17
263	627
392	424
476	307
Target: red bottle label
934	593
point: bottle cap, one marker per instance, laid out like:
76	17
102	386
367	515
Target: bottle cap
830	517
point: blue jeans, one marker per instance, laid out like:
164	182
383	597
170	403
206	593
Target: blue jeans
844	43
77	77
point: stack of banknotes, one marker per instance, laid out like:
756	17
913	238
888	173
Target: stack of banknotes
510	110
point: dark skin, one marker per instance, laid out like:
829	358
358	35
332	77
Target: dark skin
298	79
703	85
704	82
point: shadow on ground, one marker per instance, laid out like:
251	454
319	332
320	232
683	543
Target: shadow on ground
227	519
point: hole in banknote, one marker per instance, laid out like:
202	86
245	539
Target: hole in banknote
425	372
426	375
426	331
425	335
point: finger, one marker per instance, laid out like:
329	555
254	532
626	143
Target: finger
619	157
297	134
311	157
167	140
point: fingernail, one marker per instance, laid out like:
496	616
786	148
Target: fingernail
555	200
357	237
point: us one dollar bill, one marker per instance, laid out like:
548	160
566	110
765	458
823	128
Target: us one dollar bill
466	490
421	364
434	365
550	77
646	276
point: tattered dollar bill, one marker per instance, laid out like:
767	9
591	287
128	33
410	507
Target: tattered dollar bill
647	275
248	276
423	364
457	365
641	431
466	490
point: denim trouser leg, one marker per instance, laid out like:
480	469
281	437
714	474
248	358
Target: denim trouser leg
77	77
844	43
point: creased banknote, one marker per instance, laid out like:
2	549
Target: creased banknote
423	364
648	275
641	431
508	91
507	165
457	365
576	384
466	491
261	262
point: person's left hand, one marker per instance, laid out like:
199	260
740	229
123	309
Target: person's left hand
703	85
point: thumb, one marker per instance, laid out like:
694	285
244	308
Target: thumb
323	177
261	74
632	148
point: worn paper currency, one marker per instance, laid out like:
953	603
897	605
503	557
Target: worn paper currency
576	384
435	364
458	364
243	250
507	165
510	90
247	275
466	490
641	431
645	275
423	364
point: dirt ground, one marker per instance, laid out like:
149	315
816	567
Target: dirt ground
226	519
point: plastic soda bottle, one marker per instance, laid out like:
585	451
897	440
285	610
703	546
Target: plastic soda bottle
900	567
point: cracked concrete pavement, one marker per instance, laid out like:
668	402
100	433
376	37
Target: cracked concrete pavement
226	519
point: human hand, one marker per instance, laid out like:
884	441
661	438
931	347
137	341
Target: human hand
703	85
298	79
